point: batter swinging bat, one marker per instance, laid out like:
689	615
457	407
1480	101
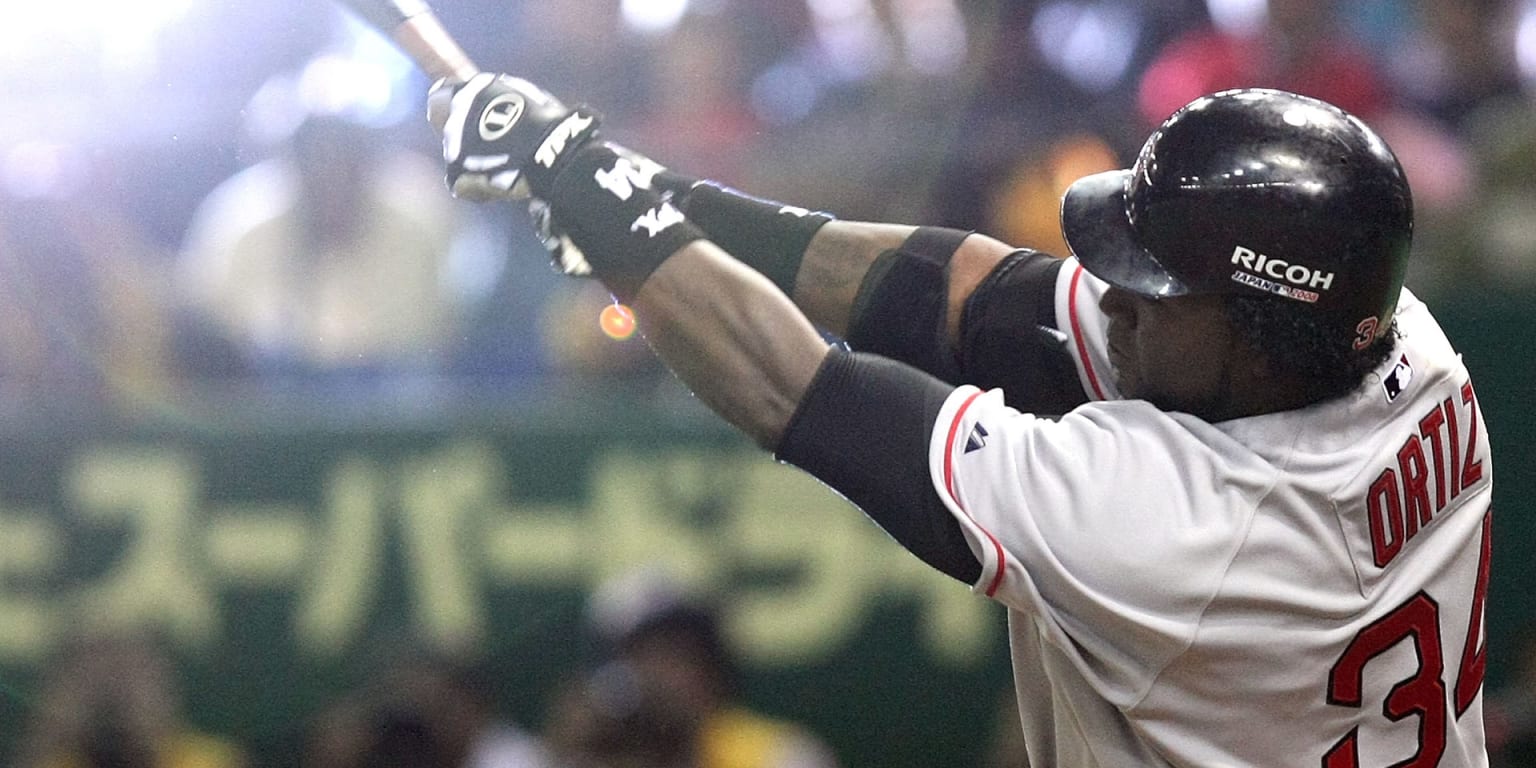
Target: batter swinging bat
415	28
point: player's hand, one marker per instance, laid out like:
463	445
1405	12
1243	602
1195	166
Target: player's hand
564	255
505	138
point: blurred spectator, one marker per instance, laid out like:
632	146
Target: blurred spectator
1037	113
1499	231
1460	111
545	33
1024	209
1294	45
697	118
1447	87
675	642
113	702
1455	57
420	711
86	324
331	258
1474	214
618	718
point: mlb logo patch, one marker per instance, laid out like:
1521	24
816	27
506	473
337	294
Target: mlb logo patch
1397	381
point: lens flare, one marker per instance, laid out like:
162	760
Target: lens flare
617	321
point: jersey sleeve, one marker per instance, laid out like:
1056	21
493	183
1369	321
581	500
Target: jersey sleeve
1085	328
1111	527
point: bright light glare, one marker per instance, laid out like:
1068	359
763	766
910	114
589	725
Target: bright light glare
653	16
1525	42
784	94
37	169
122	37
333	85
1238	17
617	321
934	34
852	37
1091	43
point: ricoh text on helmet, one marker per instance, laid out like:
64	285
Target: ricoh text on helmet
1254	191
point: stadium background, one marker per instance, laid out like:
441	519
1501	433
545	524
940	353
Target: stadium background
281	532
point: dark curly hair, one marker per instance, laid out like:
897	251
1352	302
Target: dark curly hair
1309	344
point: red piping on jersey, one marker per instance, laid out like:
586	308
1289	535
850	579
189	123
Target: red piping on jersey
1077	335
949	485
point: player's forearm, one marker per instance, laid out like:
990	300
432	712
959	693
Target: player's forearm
736	341
836	271
818	261
834	266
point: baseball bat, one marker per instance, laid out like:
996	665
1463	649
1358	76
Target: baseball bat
416	30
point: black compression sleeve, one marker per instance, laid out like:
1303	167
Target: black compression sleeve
766	235
863	428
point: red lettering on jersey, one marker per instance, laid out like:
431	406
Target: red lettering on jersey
1384	509
1415	474
1398	503
1417	622
1474	653
1454	432
1429	429
1472	471
1343	754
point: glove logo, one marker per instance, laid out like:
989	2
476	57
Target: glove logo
657	219
500	115
625	175
554	144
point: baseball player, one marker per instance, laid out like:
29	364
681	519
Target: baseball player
1227	476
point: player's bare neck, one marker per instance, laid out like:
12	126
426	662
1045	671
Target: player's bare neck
1272	394
1252	388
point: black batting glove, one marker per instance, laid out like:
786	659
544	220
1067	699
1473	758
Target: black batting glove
505	138
565	256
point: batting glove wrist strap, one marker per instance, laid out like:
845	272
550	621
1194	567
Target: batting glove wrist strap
766	235
612	209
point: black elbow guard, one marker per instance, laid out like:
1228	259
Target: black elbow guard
903	302
1009	339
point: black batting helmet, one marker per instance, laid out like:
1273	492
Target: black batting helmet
1251	191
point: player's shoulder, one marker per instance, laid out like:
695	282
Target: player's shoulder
1417	327
1141	426
1111	431
1421	354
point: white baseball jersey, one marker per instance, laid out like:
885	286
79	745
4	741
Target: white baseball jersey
1294	589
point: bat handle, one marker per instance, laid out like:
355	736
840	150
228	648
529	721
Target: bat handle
423	37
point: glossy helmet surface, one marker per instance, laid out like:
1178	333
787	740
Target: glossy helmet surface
1253	191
